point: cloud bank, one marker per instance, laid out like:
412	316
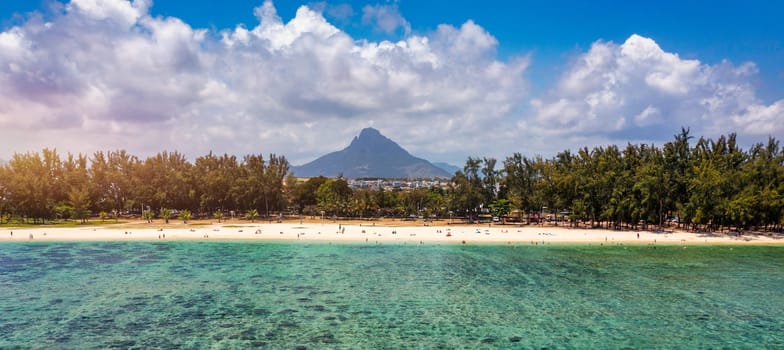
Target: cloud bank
106	74
638	90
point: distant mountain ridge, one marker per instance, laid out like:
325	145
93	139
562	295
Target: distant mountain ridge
371	155
449	168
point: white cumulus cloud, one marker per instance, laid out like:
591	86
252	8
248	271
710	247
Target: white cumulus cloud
638	90
105	74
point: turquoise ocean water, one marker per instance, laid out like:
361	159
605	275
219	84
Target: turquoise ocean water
298	295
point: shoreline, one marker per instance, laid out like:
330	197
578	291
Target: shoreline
318	232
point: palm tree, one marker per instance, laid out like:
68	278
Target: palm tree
251	214
166	214
185	215
148	215
218	215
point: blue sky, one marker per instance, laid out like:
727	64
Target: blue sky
534	77
553	31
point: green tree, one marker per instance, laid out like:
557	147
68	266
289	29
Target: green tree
490	182
650	186
165	181
388	203
113	176
76	179
5	204
123	180
678	169
520	178
275	174
333	196
304	194
764	181
251	214
468	190
35	184
165	214
500	207
363	203
63	212
567	182
99	184
185	215
215	181
148	215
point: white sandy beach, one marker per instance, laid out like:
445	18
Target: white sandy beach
369	232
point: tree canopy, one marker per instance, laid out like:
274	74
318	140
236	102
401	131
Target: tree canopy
700	184
44	186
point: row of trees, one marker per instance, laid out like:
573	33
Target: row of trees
712	184
44	186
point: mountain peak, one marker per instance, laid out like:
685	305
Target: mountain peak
371	154
369	132
371	139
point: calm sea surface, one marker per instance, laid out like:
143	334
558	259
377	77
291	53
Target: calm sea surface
243	295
